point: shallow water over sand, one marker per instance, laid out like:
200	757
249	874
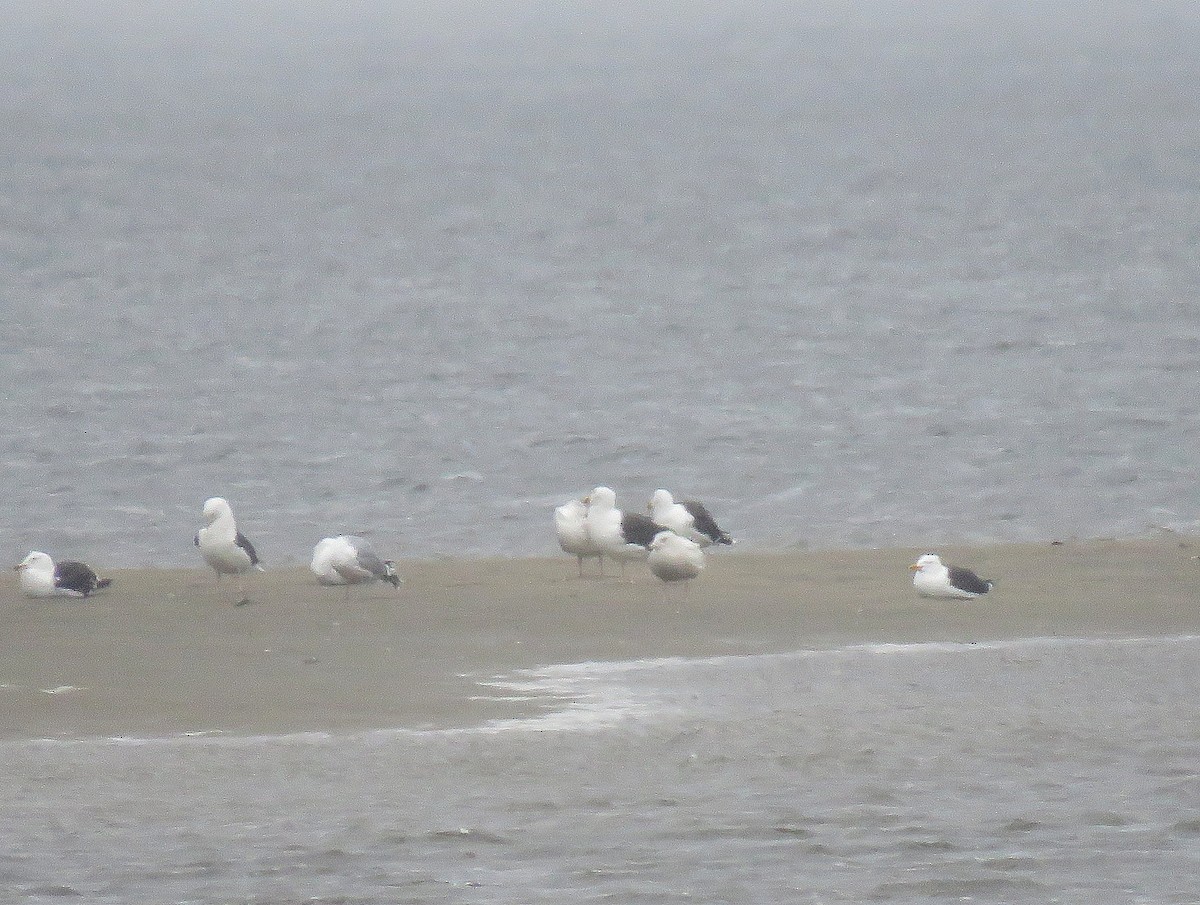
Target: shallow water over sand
1040	770
877	279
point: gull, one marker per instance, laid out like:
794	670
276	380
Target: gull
348	560
932	579
42	577
686	518
570	525
675	558
621	535
224	548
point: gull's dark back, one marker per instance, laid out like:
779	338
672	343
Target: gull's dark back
638	529
242	541
369	560
968	580
705	523
77	576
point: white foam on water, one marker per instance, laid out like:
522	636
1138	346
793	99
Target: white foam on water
62	689
595	696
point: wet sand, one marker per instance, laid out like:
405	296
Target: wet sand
165	652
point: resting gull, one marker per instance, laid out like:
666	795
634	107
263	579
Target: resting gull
621	535
932	579
224	548
347	560
675	558
41	577
570	524
687	518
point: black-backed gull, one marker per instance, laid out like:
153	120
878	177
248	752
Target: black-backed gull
42	577
687	518
224	548
932	579
622	535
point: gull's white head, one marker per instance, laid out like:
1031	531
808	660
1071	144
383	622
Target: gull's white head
927	562
35	562
602	498
569	520
663	539
571	509
37	574
215	508
661	500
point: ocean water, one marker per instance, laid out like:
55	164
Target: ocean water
888	275
1026	771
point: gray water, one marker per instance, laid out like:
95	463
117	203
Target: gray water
1031	771
870	277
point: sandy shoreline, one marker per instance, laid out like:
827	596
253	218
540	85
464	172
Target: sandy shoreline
165	652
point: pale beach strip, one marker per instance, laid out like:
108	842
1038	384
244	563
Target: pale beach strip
167	652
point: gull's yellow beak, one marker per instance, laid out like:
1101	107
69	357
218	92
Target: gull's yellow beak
914	568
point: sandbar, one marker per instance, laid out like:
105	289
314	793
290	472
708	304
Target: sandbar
166	652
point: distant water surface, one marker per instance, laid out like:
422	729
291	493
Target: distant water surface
887	276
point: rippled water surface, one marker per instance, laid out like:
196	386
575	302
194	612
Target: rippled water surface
871	277
1031	771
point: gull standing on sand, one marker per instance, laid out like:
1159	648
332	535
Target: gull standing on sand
224	548
686	518
41	577
570	524
675	558
347	560
932	579
621	535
